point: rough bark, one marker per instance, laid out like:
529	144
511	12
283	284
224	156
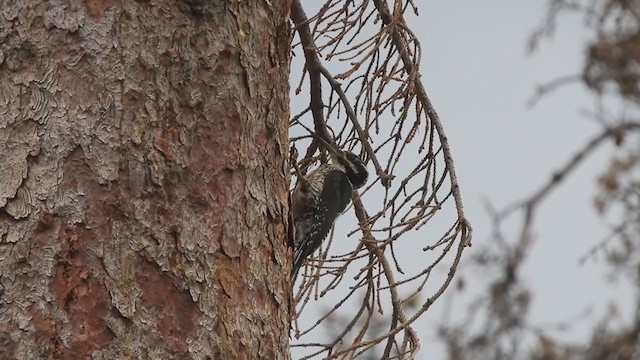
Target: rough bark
143	196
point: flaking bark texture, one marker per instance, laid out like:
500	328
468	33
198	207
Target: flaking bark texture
143	195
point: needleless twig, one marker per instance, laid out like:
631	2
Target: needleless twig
383	107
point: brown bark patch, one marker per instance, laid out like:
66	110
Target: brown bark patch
7	346
82	296
97	8
167	139
176	312
46	330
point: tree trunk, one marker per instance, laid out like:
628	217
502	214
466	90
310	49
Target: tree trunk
143	196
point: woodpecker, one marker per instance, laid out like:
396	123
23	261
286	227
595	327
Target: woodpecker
319	198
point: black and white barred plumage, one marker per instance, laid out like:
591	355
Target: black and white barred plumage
318	199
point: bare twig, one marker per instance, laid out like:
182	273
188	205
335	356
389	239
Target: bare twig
391	118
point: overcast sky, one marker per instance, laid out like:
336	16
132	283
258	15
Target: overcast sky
480	77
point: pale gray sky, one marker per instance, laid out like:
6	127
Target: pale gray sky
479	76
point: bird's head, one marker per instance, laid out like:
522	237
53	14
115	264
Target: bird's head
353	166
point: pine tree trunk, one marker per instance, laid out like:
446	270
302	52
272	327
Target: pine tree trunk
143	195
